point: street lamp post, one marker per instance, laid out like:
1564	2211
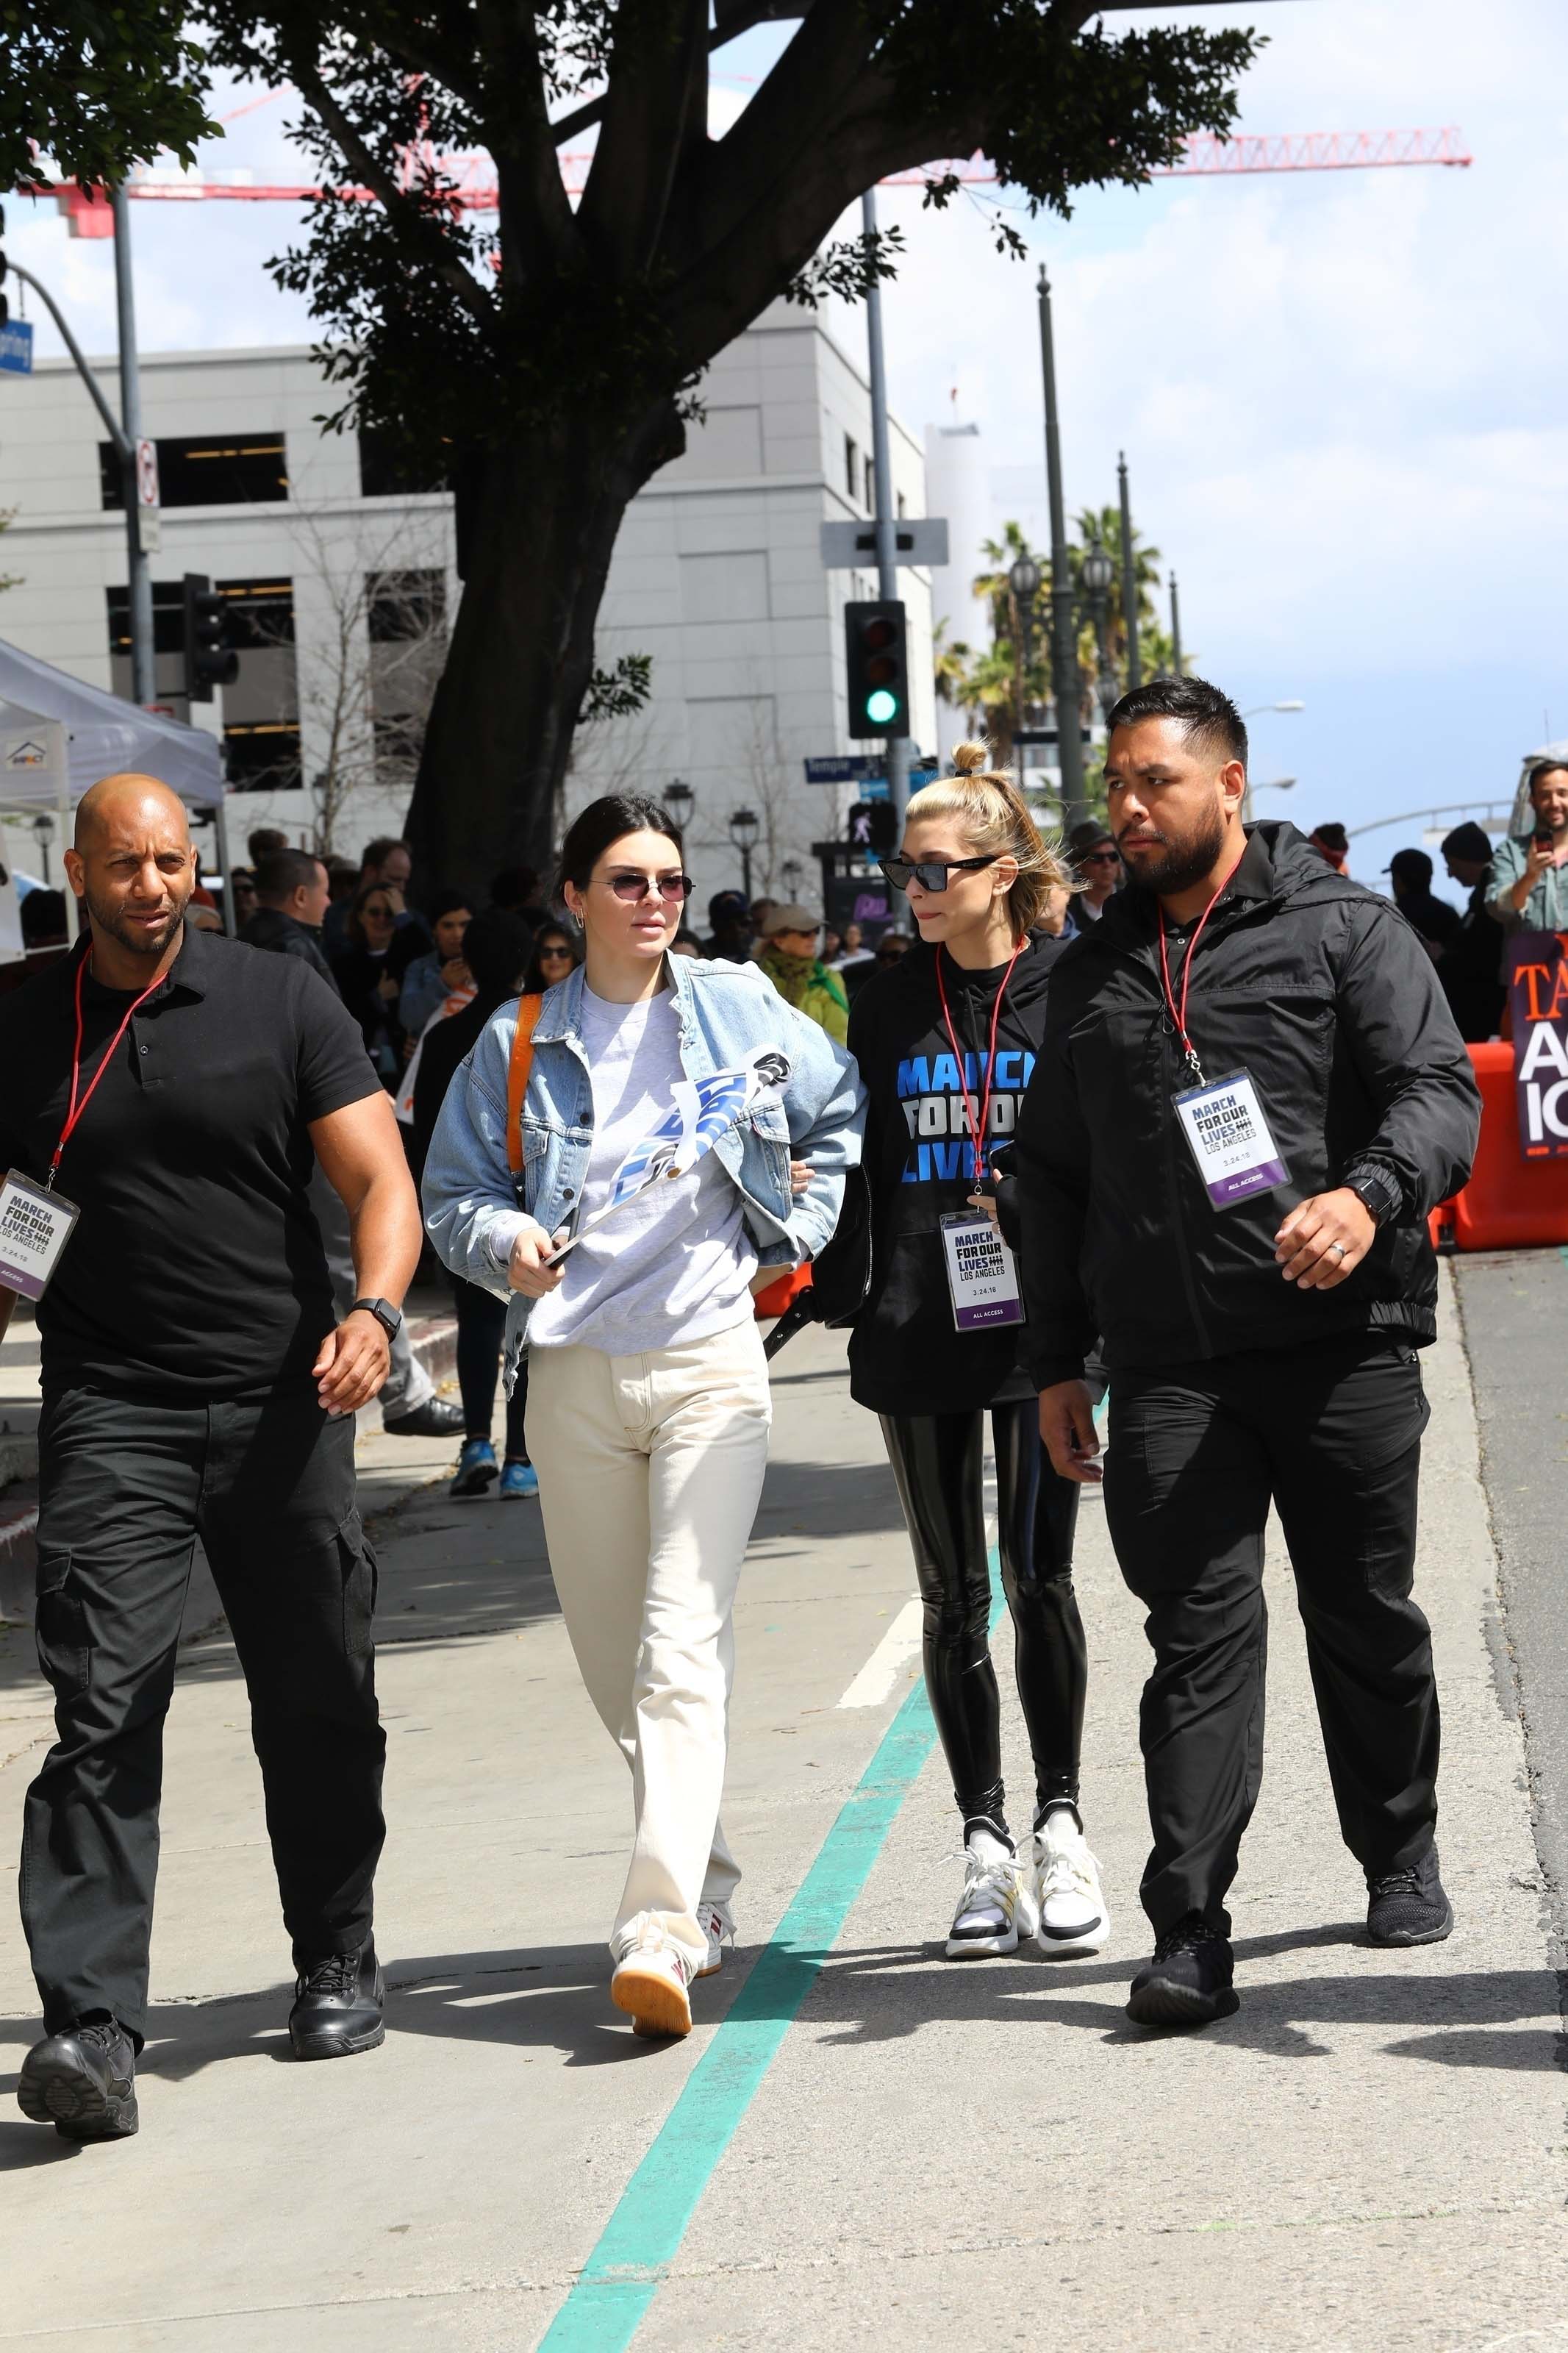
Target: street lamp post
1023	579
679	800
1098	572
1129	581
43	834
1175	630
1065	684
1273	784
744	827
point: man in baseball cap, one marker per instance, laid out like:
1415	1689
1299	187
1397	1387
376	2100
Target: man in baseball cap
1469	966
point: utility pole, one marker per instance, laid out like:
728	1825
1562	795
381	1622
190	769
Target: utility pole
123	436
1175	630
1065	682
1129	581
882	483
143	667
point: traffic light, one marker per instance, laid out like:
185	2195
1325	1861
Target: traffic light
877	661
209	662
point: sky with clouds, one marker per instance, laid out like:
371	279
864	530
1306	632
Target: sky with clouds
1341	394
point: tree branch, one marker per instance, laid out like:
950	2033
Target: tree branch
658	76
400	206
535	211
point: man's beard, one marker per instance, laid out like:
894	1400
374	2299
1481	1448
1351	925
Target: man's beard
1180	863
134	936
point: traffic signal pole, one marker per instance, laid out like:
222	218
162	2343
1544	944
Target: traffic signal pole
882	484
1066	685
143	667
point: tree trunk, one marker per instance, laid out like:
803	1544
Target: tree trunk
537	525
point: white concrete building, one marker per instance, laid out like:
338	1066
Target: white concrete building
339	592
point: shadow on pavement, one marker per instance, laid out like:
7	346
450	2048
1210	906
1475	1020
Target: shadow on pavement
891	1993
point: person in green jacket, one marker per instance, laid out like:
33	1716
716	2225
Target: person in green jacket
792	963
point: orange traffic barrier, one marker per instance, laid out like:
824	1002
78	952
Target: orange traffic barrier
1509	1203
781	1293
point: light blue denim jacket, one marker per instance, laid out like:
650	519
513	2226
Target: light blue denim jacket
471	1210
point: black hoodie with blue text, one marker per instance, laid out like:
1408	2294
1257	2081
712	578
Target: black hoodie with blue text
906	1357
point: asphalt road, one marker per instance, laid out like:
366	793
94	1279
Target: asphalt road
1514	1308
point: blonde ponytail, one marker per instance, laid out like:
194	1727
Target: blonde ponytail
992	814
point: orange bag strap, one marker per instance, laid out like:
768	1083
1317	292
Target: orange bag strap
518	1069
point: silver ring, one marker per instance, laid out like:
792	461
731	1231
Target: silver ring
1338	1246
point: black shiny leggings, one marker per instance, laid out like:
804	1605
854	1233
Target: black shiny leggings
937	1462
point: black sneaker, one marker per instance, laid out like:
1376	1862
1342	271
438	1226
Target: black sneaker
1408	1907
436	1417
338	2005
82	2081
1188	1982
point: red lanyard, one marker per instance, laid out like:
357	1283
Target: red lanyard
1180	1018
74	1114
976	1131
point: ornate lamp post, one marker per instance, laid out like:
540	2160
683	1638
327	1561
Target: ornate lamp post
1098	572
1023	579
744	827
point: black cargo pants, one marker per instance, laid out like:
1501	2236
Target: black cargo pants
1331	1435
125	1488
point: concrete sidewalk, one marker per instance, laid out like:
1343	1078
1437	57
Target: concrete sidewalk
1371	2154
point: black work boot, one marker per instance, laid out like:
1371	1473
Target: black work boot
1188	1982
338	2005
82	2081
1408	1906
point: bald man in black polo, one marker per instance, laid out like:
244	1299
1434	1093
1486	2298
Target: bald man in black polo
178	1088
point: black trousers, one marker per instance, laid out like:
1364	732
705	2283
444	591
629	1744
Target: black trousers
269	1484
481	1339
1332	1435
937	1462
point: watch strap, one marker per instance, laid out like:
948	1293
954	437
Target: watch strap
1378	1189
389	1317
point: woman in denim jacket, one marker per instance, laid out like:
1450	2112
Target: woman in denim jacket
648	1407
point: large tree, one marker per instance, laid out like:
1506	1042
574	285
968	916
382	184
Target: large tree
547	367
97	85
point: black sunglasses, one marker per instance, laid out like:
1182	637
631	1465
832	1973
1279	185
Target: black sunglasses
931	873
554	948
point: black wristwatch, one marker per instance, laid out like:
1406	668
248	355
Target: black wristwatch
1378	1190
389	1317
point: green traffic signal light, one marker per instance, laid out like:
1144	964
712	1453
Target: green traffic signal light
881	706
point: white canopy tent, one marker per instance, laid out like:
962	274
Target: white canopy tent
58	736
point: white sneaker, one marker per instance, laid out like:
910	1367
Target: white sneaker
1070	1902
996	1906
650	1982
717	1925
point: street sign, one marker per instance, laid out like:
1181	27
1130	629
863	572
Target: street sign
149	516
16	347
866	769
851	546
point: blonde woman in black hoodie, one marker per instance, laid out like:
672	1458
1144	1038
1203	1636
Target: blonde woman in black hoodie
946	1040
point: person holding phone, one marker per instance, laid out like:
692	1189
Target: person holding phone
946	1040
1529	870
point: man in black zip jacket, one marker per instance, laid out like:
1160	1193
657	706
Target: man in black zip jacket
1249	1095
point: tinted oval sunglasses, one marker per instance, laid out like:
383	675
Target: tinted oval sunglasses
633	887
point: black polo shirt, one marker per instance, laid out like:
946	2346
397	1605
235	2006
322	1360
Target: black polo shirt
197	1268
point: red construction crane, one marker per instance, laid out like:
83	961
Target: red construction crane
472	189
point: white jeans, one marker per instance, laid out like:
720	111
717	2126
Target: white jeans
650	1470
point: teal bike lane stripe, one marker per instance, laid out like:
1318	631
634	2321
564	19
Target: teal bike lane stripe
642	2238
